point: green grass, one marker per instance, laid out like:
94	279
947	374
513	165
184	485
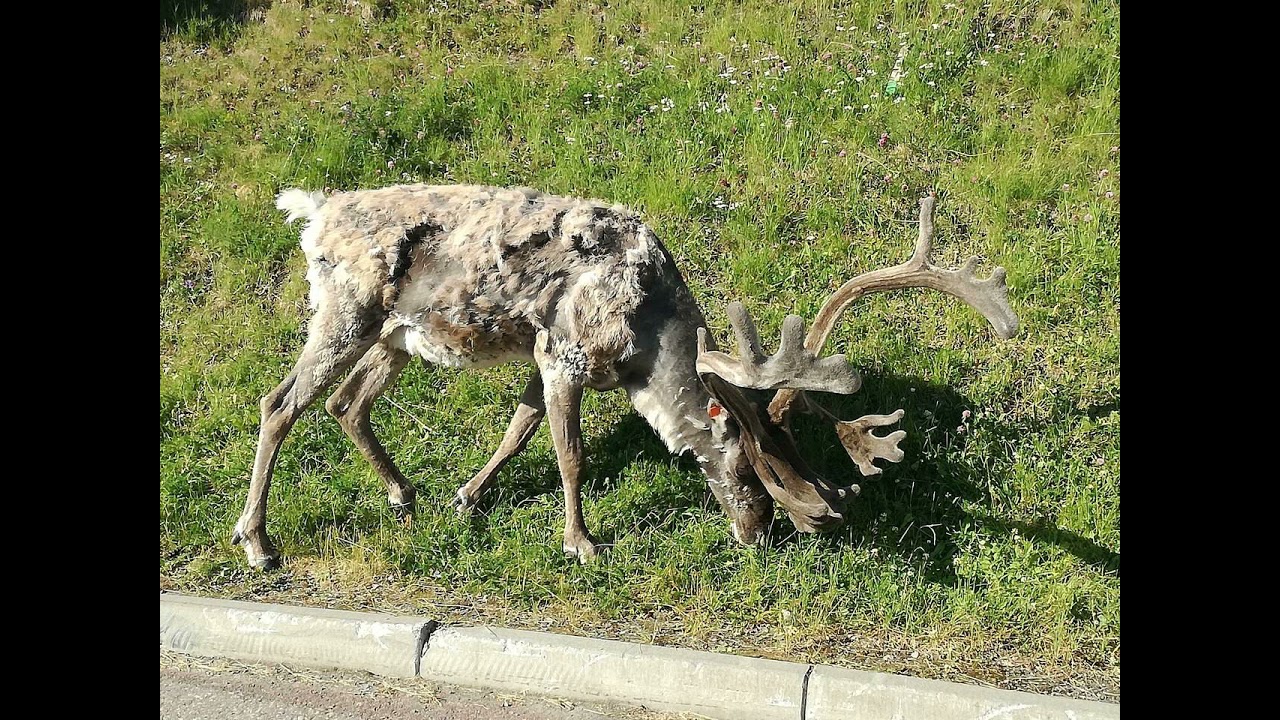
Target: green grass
747	134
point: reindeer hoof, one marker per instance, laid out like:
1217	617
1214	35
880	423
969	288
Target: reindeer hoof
585	549
402	500
264	563
403	511
258	550
463	503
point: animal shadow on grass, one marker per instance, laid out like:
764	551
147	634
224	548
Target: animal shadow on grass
207	20
911	509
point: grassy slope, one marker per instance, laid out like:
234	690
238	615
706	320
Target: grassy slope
748	136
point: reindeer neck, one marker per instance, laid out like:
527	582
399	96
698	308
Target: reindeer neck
673	399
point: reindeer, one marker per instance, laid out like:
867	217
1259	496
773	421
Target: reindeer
470	276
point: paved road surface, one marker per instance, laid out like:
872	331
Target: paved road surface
212	689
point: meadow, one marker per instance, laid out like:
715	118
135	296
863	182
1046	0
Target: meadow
777	148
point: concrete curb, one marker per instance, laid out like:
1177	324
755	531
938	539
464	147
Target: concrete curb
382	644
715	685
839	693
659	678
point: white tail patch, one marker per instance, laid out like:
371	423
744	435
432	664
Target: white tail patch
299	203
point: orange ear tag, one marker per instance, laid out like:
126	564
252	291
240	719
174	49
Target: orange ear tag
714	410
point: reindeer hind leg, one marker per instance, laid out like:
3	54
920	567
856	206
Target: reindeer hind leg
335	341
351	404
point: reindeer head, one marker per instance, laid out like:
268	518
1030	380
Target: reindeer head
764	434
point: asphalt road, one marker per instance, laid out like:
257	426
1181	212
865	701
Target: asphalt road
200	689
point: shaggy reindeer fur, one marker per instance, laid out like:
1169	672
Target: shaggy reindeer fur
472	276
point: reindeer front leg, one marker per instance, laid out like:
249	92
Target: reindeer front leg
523	425
563	378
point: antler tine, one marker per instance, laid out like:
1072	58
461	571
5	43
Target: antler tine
924	242
864	446
793	366
989	296
791	344
744	330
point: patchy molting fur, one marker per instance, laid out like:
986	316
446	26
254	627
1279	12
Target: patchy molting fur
484	270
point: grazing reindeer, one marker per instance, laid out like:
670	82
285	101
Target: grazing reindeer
471	276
